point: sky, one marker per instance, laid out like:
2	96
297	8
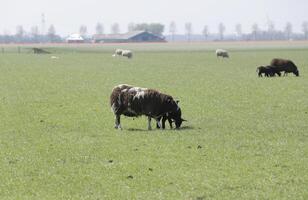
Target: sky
68	15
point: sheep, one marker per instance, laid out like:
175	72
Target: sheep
283	65
127	53
118	52
268	71
133	101
263	70
223	53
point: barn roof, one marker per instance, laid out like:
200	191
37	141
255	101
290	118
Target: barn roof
124	36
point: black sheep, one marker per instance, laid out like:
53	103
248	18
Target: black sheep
268	71
283	65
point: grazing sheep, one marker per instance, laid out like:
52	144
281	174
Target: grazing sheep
118	52
135	101
222	53
267	71
264	70
127	53
283	65
169	117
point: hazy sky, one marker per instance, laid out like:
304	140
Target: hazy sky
68	15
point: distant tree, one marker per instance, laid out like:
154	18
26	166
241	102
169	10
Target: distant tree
20	31
83	30
115	28
305	29
238	30
188	30
288	30
130	27
51	33
271	29
141	27
99	28
205	32
255	30
155	28
35	33
172	29
221	30
51	30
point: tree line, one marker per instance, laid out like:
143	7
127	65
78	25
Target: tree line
33	36
271	33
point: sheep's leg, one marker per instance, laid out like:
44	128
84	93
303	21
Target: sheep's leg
158	123
170	123
164	121
117	122
149	123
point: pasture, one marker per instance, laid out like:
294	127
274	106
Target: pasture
246	137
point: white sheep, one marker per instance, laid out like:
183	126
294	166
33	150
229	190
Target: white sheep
118	52
127	53
223	53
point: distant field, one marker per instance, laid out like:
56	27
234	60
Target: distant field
246	137
160	47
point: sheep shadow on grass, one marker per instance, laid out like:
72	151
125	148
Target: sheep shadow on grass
167	129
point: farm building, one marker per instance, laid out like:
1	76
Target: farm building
75	38
135	36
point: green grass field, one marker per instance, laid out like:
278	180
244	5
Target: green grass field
246	137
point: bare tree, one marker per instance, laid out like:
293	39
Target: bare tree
221	30
205	32
51	30
51	33
83	30
288	30
188	30
115	28
131	27
238	30
172	29
305	29
20	31
35	32
271	29
99	28
255	30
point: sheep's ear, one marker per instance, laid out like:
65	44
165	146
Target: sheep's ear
177	101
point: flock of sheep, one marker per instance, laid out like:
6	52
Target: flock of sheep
129	54
276	66
136	101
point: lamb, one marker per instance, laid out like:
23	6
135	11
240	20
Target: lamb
267	71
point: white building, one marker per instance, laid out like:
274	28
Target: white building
75	38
